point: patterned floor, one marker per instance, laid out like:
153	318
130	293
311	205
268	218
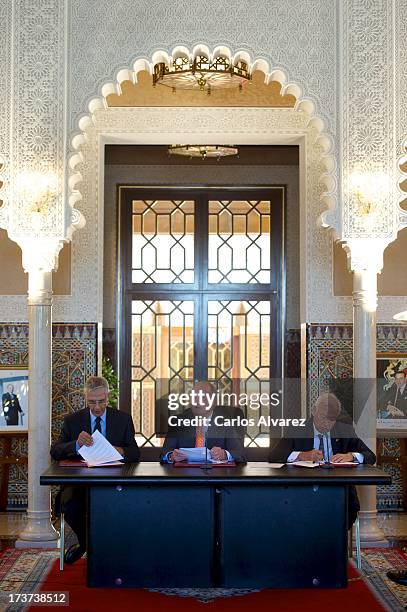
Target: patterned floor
22	571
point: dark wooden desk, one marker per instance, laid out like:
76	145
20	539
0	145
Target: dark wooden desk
250	526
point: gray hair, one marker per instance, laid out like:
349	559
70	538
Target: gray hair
96	382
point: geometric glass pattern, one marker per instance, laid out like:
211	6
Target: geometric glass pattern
162	350
239	354
239	241
163	241
201	282
238	340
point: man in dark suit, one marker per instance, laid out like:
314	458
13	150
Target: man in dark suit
224	440
118	429
395	398
325	437
11	406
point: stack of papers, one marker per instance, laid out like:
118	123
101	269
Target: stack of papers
308	464
101	452
200	455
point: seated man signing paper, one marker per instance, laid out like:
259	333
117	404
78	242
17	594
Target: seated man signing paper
116	426
326	437
204	425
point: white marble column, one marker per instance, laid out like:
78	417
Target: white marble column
39	531
364	373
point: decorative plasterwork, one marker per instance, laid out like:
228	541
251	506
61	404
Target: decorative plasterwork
38	131
401	95
5	105
368	118
298	37
303	106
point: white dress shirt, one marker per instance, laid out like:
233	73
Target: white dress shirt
327	447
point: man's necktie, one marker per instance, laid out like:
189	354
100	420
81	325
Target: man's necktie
97	425
321	444
200	437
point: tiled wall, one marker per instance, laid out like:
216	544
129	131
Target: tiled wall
329	355
74	358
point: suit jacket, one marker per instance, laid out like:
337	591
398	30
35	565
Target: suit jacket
119	432
343	440
11	408
227	437
400	402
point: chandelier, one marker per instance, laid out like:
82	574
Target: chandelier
203	151
201	70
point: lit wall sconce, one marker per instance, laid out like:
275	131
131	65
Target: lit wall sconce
401	316
368	189
38	191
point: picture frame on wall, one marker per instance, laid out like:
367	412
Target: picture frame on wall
14	399
391	374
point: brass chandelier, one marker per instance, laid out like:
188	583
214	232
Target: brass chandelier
203	151
201	71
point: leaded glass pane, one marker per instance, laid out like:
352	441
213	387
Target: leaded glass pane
163	241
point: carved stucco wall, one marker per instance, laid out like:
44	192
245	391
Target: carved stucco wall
84	43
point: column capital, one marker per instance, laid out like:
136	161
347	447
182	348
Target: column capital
365	254
40	254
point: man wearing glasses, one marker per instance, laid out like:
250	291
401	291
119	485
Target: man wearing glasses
117	427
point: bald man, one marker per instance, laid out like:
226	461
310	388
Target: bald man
325	437
225	443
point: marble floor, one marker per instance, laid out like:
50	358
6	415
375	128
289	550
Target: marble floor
394	525
11	523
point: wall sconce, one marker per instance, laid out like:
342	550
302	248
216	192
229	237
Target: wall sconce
38	191
368	189
401	316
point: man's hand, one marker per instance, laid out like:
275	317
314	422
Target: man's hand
341	457
178	455
119	449
394	411
218	454
85	439
312	455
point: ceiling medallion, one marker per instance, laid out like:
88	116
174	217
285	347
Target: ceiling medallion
203	151
202	71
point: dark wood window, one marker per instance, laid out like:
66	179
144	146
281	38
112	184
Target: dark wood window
201	283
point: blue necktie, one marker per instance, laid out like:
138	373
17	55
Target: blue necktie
97	425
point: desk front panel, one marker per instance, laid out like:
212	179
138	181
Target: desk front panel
149	536
283	536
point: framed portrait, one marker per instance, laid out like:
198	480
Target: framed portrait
14	399
391	373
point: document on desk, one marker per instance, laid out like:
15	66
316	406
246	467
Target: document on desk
100	453
306	464
274	466
200	455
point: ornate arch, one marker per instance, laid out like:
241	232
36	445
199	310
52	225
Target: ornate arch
303	105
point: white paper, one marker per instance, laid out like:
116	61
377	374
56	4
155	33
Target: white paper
307	464
276	465
344	463
100	452
199	455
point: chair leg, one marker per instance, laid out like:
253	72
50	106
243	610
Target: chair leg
350	543
358	555
62	543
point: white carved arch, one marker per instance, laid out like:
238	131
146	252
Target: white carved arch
303	105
